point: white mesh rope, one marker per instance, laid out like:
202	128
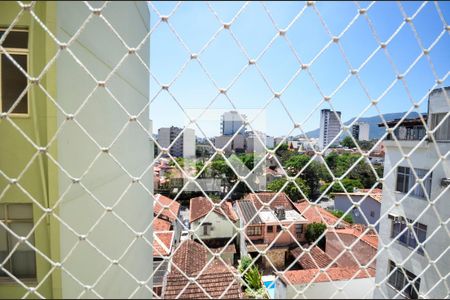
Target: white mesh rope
276	98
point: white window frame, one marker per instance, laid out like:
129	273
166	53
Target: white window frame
16	51
7	221
410	180
410	281
408	234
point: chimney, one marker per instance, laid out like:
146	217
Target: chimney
280	212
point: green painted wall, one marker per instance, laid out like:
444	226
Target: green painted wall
16	152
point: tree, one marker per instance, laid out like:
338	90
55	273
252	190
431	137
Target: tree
291	190
348	183
339	213
311	174
348	142
314	231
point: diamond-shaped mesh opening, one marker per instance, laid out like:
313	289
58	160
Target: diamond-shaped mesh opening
224	150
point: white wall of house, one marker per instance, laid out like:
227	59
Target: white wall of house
361	288
221	227
100	50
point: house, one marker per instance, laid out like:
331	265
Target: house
163	242
316	214
364	245
191	259
168	210
336	283
214	224
315	258
56	159
272	222
369	205
413	214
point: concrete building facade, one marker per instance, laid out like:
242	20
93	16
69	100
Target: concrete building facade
329	127
361	131
415	227
184	145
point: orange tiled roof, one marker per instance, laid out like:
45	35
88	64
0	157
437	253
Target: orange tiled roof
161	225
335	274
190	257
369	238
281	200
217	281
316	258
201	206
162	243
315	213
170	212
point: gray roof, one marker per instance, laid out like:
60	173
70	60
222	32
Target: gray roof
161	266
248	211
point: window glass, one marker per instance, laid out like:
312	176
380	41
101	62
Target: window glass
23	260
3	247
20	211
13	83
15	39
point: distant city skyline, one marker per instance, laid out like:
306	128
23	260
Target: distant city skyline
223	60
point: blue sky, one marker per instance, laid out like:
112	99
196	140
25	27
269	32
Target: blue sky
223	60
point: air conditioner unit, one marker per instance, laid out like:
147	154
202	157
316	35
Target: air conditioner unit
445	182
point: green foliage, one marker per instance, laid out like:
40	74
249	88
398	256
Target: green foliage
348	183
339	213
244	263
348	142
311	174
291	190
256	294
314	231
340	164
253	278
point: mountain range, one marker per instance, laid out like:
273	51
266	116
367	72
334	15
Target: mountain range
375	132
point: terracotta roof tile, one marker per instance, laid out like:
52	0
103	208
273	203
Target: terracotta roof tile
281	200
161	225
316	258
368	237
316	213
217	281
336	274
162	243
201	206
166	207
190	257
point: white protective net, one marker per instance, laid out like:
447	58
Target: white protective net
93	204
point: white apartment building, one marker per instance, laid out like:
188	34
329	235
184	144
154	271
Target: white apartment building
329	127
231	122
237	143
415	215
184	146
360	131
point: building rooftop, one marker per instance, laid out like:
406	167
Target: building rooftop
189	257
166	207
161	225
281	200
376	194
249	212
201	206
215	282
268	216
159	269
369	237
315	213
316	258
335	274
162	243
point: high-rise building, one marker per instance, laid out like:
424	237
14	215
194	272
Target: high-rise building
360	131
231	122
54	209
414	217
184	146
329	127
